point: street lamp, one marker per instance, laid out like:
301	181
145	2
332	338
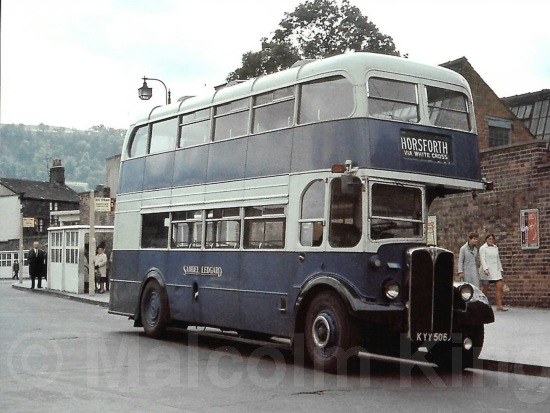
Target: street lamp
145	92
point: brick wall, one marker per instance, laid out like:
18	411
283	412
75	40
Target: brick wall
521	174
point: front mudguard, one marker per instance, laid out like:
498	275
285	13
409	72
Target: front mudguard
152	274
477	311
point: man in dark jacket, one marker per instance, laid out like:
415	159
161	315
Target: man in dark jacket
35	259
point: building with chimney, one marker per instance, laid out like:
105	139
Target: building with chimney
39	203
514	153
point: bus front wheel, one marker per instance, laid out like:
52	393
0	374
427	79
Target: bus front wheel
331	335
154	310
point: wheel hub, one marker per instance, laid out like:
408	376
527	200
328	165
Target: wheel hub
153	309
322	331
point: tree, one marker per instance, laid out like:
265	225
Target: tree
314	30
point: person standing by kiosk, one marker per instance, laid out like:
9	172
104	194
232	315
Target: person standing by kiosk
36	260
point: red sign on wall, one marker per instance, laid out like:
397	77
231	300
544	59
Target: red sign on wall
529	227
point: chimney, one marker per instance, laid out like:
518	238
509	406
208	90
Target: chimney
57	173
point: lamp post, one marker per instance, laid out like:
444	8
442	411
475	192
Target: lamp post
145	92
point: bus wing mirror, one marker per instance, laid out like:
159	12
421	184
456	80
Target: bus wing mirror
350	184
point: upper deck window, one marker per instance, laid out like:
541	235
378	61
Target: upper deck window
231	119
392	99
163	135
273	110
326	99
138	146
448	109
195	128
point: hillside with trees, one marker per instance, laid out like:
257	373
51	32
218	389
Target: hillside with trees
315	29
27	152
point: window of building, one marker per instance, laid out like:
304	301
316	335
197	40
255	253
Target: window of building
326	99
312	214
154	230
392	99
500	132
5	259
71	247
56	247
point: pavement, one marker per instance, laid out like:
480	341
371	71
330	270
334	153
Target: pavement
517	342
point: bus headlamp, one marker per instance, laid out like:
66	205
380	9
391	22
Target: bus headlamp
391	289
466	292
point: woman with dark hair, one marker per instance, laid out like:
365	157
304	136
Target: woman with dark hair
491	269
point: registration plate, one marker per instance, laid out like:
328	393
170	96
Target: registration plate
433	337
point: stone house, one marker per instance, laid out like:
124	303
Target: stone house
35	200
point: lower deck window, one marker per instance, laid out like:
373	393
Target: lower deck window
223	228
345	226
154	232
264	227
187	229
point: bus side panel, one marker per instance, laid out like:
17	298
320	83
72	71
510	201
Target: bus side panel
218	298
269	154
227	160
319	146
190	166
265	284
159	169
180	286
124	285
131	175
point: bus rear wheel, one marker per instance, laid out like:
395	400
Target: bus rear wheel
331	335
154	310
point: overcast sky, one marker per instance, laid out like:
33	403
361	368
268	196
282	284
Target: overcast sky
79	63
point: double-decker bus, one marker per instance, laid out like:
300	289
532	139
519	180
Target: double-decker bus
294	206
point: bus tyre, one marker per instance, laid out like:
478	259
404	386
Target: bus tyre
154	310
331	335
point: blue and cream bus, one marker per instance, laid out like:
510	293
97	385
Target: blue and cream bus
294	205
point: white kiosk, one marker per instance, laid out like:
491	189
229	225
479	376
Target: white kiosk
68	255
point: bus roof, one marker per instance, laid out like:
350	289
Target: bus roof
355	65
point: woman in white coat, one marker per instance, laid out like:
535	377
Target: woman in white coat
100	263
491	269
